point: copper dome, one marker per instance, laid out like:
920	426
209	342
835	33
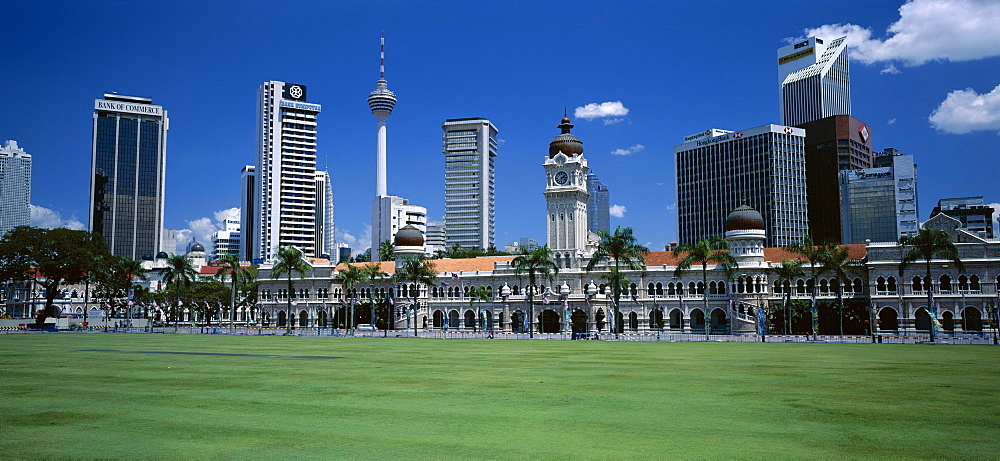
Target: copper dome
565	142
744	218
409	236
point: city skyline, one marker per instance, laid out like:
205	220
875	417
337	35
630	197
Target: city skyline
645	75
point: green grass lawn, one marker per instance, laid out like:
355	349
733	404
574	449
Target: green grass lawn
432	398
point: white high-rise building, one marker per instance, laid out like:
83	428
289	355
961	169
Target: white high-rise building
286	170
15	187
226	241
325	233
815	80
434	238
249	214
470	150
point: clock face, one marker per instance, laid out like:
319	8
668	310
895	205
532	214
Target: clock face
561	177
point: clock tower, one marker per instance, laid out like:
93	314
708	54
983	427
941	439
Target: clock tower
566	197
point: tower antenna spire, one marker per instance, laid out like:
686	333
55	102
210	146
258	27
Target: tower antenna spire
381	60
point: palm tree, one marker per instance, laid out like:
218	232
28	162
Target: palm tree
835	262
711	250
386	250
179	273
349	279
621	248
788	272
373	273
289	259
230	267
419	270
478	294
815	255
538	262
927	244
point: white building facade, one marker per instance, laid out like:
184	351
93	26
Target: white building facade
566	198
227	241
286	170
470	150
15	187
394	213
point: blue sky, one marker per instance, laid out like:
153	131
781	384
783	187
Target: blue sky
675	68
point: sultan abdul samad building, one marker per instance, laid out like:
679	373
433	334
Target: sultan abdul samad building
655	300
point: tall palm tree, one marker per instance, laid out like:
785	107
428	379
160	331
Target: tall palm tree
620	248
289	259
179	273
349	279
373	273
835	262
539	261
419	270
231	268
815	255
386	250
711	250
788	272
927	244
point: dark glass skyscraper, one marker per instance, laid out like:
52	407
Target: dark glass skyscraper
599	205
128	163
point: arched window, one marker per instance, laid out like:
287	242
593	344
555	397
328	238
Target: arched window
974	283
659	289
670	289
880	284
711	288
800	287
691	288
823	287
701	288
634	289
858	286
918	285
650	289
891	284
945	283
963	283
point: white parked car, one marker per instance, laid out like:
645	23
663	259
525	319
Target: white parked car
366	327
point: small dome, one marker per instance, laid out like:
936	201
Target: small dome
565	142
197	247
744	218
162	255
409	236
147	257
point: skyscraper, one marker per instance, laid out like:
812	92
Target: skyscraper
326	230
286	170
249	218
15	187
880	203
975	216
470	150
127	181
762	167
815	80
226	241
599	205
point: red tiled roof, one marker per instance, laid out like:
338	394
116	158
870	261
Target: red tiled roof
855	252
443	265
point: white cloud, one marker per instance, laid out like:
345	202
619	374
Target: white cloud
201	230
672	206
629	150
617	211
965	110
659	184
891	121
358	244
996	218
604	109
890	69
613	121
50	219
927	30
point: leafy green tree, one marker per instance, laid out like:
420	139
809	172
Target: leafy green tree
51	257
386	250
115	278
534	263
373	273
206	297
619	248
815	255
417	271
289	260
349	278
925	246
711	250
178	274
787	272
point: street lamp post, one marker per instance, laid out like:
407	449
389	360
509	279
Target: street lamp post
531	311
504	294
591	292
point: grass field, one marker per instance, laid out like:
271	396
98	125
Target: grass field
426	398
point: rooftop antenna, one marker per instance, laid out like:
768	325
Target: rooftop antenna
381	60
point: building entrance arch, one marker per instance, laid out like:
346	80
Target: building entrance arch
922	320
697	320
303	319
517	321
633	321
578	321
549	321
438	319
655	319
282	318
719	320
887	319
972	320
676	319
